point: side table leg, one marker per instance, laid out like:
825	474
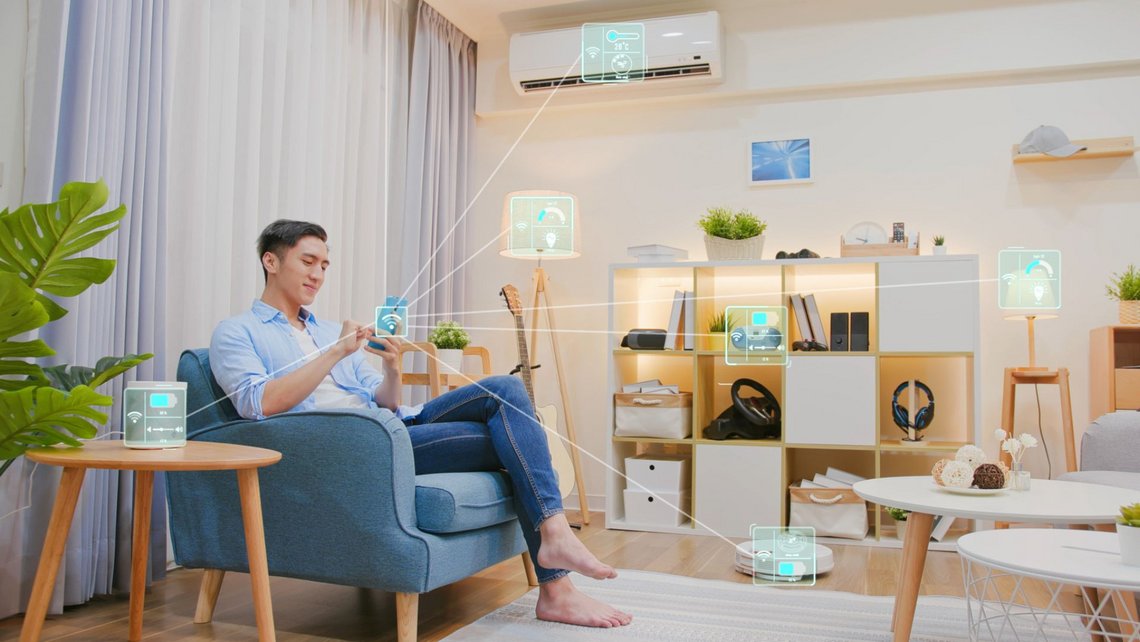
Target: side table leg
61	513
140	550
918	528
255	549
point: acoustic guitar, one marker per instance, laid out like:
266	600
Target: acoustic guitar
547	415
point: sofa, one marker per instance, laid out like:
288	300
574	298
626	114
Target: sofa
1110	451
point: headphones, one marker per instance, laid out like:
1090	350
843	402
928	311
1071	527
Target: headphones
760	411
901	414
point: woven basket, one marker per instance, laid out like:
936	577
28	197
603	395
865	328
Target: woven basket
720	249
1130	311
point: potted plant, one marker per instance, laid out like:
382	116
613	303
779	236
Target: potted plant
1125	288
732	236
720	324
899	515
57	404
939	245
1128	529
449	340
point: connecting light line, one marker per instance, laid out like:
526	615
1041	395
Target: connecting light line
479	193
669	300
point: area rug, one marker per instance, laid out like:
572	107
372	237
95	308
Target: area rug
674	608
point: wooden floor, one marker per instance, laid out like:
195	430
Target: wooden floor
311	611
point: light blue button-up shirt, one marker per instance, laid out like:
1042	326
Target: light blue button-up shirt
251	349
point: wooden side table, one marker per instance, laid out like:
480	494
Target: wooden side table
114	455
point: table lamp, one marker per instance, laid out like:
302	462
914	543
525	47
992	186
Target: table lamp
543	224
1029	290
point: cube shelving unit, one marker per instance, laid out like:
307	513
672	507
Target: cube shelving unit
836	406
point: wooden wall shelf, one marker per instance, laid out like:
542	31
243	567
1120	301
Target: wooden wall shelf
1097	148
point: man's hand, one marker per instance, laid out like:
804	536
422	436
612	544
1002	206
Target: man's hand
353	334
390	354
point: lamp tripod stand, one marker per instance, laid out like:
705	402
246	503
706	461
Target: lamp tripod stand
542	299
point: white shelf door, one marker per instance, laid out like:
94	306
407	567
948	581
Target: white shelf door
830	401
928	306
738	486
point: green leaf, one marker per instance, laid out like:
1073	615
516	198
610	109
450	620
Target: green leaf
40	240
20	312
65	377
44	416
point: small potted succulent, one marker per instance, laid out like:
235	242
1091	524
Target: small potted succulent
1125	288
732	235
1128	529
720	324
939	245
449	340
899	515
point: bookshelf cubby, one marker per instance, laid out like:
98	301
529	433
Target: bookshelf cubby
836	406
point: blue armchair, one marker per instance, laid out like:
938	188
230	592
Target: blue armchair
344	505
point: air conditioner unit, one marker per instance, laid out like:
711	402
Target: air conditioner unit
678	49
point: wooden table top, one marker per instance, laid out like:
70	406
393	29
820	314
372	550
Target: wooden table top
195	455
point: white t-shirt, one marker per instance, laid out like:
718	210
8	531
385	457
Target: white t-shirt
327	394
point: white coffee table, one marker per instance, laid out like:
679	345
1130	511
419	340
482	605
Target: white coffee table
1059	558
1047	502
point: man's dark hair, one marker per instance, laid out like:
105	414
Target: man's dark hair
282	234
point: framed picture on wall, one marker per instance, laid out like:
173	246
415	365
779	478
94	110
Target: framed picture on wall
779	162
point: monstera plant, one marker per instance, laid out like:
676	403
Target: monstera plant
44	406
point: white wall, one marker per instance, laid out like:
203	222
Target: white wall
923	139
13	43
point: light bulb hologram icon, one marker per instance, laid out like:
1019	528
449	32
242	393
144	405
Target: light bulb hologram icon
541	225
1029	279
613	52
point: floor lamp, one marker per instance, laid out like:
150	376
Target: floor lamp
537	225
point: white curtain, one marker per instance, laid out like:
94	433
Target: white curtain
96	99
441	122
281	110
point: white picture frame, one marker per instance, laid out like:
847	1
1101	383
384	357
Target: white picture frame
780	161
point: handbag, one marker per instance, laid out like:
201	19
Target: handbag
833	512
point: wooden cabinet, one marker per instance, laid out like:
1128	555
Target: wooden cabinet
1114	369
836	406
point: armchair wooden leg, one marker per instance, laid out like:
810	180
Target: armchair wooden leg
208	595
531	577
407	616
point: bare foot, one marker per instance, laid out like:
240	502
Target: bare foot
561	601
562	549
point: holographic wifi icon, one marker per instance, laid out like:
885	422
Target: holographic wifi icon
593	52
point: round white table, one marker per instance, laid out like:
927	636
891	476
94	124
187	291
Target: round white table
1059	558
1047	502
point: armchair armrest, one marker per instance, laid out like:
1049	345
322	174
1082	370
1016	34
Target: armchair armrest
339	507
1112	442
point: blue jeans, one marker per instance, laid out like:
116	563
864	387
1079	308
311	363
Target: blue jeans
491	425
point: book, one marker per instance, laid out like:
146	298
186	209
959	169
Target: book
690	315
814	320
942	524
807	483
827	482
796	303
661	390
674	327
843	476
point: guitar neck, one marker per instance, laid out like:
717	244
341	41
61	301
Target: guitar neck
524	358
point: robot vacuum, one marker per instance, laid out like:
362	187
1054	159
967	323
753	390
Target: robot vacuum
769	569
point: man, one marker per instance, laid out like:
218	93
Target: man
278	357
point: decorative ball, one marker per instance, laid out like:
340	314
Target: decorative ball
958	474
936	472
1004	472
972	455
989	476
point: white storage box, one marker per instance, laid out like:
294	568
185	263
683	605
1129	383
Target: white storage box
669	473
653	509
665	416
833	512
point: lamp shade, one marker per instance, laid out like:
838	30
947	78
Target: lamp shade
540	224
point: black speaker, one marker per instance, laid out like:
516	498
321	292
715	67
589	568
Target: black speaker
860	331
839	332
